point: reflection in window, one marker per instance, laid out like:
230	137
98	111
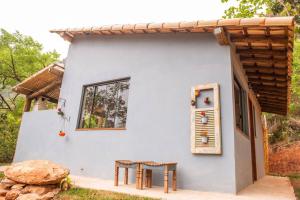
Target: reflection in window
241	107
104	105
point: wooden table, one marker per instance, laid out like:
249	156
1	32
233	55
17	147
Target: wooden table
167	167
146	166
124	164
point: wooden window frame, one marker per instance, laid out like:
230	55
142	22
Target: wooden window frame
243	99
82	100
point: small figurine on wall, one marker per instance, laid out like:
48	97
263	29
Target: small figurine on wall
197	93
204	118
206	100
193	102
204	137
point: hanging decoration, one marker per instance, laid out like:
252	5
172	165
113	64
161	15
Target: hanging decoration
63	117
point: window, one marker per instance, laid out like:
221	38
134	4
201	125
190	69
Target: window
254	120
241	105
104	105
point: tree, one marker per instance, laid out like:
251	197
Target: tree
20	57
252	8
280	127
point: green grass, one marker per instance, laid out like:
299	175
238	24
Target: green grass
84	194
1	175
295	179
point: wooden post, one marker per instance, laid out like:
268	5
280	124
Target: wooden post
27	105
141	172
137	176
166	179
126	176
116	174
148	178
174	180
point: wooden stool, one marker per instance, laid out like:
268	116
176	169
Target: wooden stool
124	164
167	167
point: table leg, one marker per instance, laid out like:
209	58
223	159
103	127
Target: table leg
166	179
137	177
141	177
148	178
126	176
116	174
174	181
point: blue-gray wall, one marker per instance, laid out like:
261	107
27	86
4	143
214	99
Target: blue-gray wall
163	68
243	159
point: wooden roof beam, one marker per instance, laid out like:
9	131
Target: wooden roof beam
262	52
45	89
282	62
260	74
221	36
259	39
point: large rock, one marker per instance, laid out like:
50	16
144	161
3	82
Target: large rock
36	172
12	194
32	196
40	190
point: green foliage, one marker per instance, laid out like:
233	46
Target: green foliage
20	57
254	8
295	98
83	194
66	184
1	176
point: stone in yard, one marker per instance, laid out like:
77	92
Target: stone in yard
17	187
50	195
36	172
32	196
40	190
7	183
3	192
12	195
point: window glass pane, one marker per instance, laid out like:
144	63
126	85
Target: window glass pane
105	105
111	103
98	116
122	103
254	120
245	112
87	107
238	116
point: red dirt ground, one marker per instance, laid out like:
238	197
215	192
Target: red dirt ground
285	160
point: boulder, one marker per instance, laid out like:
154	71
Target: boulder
3	192
36	172
50	195
17	187
32	196
12	194
7	183
40	190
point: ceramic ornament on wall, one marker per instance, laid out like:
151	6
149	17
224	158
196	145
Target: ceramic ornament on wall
205	119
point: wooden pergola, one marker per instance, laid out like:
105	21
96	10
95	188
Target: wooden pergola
43	84
264	47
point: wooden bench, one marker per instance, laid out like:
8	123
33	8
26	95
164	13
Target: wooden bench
146	166
126	164
167	167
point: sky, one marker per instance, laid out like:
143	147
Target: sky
37	17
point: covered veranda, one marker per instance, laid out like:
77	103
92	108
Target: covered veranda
42	89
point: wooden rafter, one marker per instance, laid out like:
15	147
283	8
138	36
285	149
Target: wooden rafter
45	89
